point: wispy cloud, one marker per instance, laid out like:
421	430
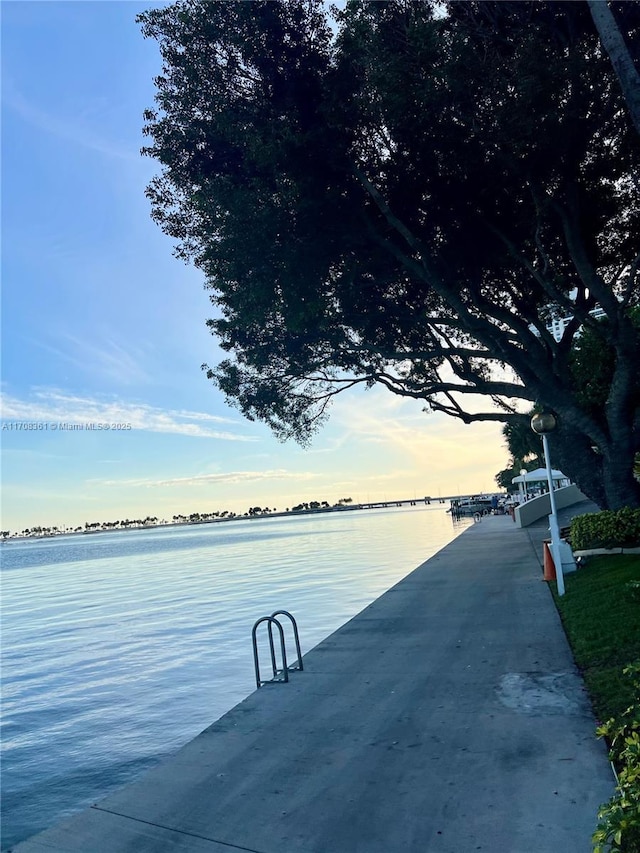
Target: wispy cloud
227	478
392	424
106	357
51	405
68	127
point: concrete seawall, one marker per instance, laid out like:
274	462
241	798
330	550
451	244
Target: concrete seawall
536	508
446	716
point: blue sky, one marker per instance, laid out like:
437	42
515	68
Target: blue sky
101	325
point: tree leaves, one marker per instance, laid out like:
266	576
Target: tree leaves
409	202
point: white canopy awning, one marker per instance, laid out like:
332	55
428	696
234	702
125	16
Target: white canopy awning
539	475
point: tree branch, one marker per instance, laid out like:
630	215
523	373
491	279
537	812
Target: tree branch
614	44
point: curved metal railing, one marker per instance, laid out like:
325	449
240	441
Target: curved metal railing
279	675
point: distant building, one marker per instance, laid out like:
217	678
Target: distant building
559	324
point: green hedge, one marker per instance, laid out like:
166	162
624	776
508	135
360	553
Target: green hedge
608	529
619	820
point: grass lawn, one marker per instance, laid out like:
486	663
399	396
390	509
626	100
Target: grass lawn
600	612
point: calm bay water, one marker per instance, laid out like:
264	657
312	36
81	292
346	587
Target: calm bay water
117	648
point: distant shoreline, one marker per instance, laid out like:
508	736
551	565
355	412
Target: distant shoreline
297	513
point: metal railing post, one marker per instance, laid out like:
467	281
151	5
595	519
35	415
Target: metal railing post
270	620
296	636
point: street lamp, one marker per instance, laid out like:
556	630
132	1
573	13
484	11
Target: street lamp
543	423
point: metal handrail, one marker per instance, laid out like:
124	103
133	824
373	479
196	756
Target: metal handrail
296	637
285	669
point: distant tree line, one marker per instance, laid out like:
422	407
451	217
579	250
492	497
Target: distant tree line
152	520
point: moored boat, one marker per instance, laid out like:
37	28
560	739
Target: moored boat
477	504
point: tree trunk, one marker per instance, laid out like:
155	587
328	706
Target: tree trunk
572	453
604	475
622	488
614	44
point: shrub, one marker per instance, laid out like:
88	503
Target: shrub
619	819
608	529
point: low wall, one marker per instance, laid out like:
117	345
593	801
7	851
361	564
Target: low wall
536	508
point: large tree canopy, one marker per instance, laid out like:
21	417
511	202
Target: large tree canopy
407	199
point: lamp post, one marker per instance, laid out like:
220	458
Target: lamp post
543	423
523	485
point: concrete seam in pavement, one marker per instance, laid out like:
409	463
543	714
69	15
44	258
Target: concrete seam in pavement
178	831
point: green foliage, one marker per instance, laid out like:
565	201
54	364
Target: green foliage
634	590
523	444
592	365
600	615
525	447
619	819
608	529
503	478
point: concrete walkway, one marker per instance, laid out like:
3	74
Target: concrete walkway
447	716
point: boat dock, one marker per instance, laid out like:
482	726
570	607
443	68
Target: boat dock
446	717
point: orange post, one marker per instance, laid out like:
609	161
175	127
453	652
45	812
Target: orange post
549	565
